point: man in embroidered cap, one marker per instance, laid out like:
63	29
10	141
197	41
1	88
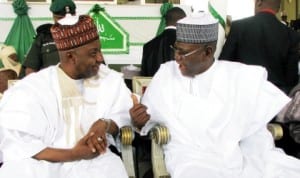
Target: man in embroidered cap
216	111
60	121
43	52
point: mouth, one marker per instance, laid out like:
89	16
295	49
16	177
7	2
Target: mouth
182	67
96	68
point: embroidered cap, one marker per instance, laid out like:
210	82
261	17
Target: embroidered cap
73	31
62	7
197	28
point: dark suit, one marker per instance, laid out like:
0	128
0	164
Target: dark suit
157	51
264	40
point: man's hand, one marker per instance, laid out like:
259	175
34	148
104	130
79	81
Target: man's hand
82	150
138	113
97	137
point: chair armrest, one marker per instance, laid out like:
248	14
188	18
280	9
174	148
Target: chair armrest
159	136
276	130
126	137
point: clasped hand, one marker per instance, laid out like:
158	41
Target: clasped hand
93	143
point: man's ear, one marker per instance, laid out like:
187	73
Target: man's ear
208	50
70	56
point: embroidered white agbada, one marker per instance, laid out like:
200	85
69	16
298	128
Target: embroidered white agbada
32	117
217	121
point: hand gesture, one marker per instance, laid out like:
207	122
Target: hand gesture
138	113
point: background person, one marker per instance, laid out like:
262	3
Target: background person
10	66
43	52
9	58
263	40
157	50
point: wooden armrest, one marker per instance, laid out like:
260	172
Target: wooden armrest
126	137
159	136
276	130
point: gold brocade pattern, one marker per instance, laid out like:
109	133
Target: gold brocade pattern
72	107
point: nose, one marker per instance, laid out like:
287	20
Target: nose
177	57
99	57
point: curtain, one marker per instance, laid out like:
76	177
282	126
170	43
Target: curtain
22	32
163	11
218	9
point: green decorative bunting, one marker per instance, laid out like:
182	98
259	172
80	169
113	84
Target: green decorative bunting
216	15
22	32
163	11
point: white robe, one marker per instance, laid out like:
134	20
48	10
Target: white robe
31	120
217	122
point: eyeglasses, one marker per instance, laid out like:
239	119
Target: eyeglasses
183	56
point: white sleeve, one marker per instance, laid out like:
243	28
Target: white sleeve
268	101
155	98
16	145
120	104
259	152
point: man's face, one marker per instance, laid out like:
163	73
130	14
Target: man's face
193	59
88	59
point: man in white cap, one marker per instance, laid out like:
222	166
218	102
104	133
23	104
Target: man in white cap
59	122
216	111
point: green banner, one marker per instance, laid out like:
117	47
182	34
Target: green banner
114	39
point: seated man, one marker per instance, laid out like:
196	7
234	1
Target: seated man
216	111
59	122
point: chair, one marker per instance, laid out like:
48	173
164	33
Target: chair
159	135
276	130
139	84
126	137
142	143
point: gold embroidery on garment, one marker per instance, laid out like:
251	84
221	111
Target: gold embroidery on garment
72	107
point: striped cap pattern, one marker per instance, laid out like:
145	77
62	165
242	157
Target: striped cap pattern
197	29
72	36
